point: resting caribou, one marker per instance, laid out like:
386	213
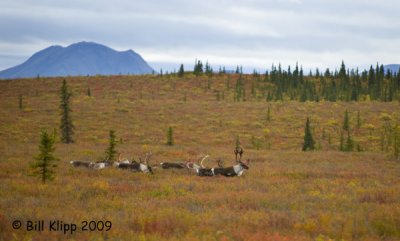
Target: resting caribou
200	169
82	164
122	163
172	165
87	164
180	165
136	166
236	170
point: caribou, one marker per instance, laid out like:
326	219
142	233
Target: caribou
200	169
181	165
136	166
122	163
172	165
235	170
91	165
82	164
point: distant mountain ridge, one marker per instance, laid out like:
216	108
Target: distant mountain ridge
394	68
83	58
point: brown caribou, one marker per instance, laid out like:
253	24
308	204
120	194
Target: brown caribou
235	170
140	166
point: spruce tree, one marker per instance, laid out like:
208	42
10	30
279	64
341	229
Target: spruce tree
181	71
66	120
45	160
396	143
349	143
346	124
309	142
198	68
89	93
111	151
170	136
269	114
341	143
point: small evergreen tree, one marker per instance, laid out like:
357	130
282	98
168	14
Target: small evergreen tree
181	71
111	151
396	144
198	68
269	114
66	120
89	93
45	160
237	70
349	143
341	142
309	142
170	136
346	124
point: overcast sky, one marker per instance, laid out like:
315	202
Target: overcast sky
252	33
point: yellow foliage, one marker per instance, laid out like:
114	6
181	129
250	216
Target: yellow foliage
386	117
310	226
332	123
369	126
101	184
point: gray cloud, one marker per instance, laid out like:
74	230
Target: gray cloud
252	33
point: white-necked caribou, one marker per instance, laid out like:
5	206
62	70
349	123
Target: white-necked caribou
135	166
235	170
88	164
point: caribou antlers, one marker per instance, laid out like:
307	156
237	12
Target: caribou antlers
202	160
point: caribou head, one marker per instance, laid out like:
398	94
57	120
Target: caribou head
145	166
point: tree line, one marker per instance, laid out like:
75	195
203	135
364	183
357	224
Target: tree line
277	84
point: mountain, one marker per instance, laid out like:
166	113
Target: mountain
83	58
394	68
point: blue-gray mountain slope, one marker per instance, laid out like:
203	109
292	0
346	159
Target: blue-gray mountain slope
83	58
394	68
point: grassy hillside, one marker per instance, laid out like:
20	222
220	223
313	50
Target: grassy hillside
285	195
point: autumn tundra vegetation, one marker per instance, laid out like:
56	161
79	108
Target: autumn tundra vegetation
323	151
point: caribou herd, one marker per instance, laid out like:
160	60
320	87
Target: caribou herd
197	167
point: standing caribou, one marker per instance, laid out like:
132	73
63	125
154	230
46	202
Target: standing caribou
236	170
